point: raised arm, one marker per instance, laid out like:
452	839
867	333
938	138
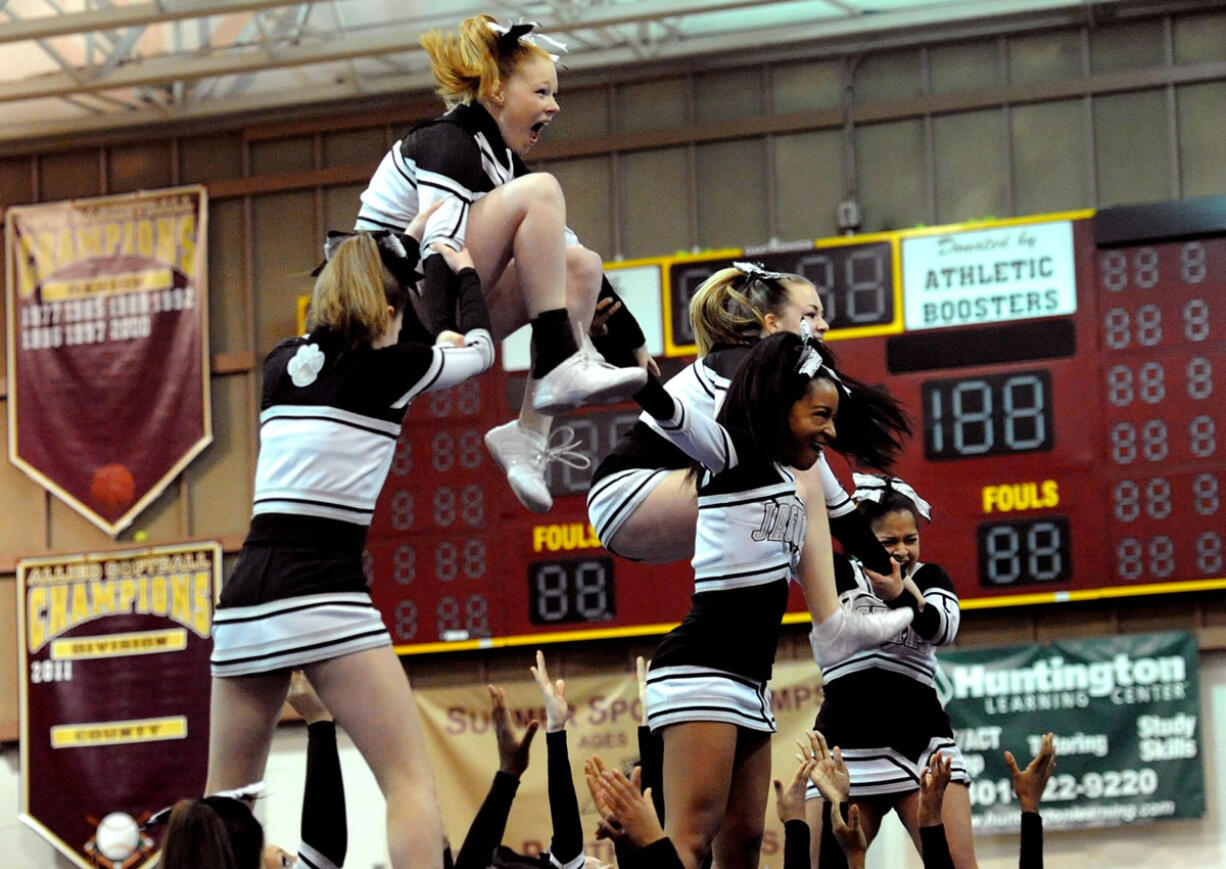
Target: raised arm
698	435
324	831
566	847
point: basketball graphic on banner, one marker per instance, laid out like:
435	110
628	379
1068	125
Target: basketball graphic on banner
113	489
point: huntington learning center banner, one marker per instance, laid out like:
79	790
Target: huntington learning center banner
1125	712
114	659
108	392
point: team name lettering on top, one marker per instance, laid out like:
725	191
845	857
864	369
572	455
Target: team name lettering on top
1031	495
783	522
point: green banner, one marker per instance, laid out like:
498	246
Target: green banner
1125	712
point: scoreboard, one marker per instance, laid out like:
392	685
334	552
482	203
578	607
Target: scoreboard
1060	372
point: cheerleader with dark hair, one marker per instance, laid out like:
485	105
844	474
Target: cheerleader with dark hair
886	753
641	502
707	685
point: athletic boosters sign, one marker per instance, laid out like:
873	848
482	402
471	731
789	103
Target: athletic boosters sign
114	694
108	390
1125	712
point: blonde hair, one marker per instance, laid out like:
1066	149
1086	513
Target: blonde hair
730	307
470	65
352	292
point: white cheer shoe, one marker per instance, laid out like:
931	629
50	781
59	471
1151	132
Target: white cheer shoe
585	378
524	454
846	632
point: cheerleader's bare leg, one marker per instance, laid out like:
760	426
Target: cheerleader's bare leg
368	693
243	713
738	844
661	529
699	759
955	818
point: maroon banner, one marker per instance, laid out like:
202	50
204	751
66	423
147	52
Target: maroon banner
108	347
114	693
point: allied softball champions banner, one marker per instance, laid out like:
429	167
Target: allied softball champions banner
108	392
114	693
1125	712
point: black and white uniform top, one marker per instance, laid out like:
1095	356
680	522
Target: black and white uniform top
457	158
751	528
329	420
644	454
881	705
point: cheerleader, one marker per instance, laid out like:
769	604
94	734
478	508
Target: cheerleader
641	502
707	685
881	706
501	88
332	407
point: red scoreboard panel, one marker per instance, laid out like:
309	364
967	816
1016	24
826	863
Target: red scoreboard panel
1060	372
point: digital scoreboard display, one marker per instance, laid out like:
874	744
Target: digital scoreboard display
1060	371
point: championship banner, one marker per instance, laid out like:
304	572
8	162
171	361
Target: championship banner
108	376
114	694
605	717
1125	712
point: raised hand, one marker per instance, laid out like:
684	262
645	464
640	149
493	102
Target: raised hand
829	772
850	835
417	226
933	781
512	750
1029	783
790	801
631	811
554	694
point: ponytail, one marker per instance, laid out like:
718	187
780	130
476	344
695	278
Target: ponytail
353	292
196	836
472	64
730	307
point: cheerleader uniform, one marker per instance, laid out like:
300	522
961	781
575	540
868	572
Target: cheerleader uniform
329	421
458	158
751	528
881	706
644	456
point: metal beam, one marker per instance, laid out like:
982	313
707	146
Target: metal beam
126	16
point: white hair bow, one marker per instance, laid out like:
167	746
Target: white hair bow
755	270
521	31
811	364
870	487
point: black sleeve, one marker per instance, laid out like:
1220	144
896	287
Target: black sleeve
324	832
441	293
651	759
655	399
831	855
844	575
934	848
623	334
487	828
857	538
473	313
567	843
796	845
1031	854
938	622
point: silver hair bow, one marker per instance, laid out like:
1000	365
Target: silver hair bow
755	271
870	487
521	31
392	252
811	364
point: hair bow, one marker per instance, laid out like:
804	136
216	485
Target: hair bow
247	794
870	487
392	251
521	31
756	272
810	363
